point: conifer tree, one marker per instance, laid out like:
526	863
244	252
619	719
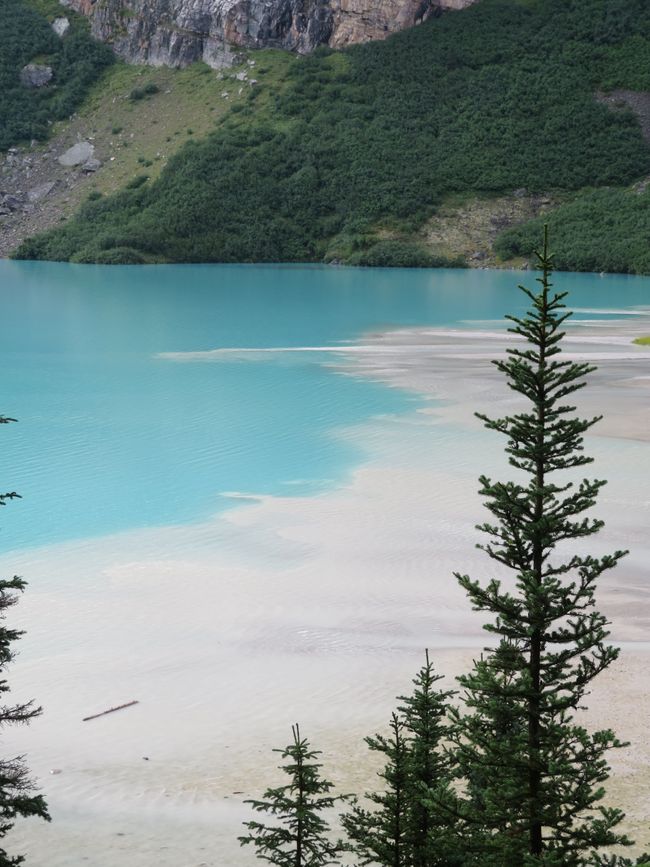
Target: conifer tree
428	770
410	828
534	775
299	837
17	796
379	836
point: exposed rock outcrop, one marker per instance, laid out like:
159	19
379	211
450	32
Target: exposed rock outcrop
61	26
36	191
179	32
35	75
78	154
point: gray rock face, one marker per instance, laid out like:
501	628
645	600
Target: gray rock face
78	154
35	75
179	32
60	26
41	191
13	202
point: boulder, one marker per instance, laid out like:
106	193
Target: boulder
91	165
78	154
35	75
61	26
41	191
13	202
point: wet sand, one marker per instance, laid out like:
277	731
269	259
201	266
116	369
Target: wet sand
310	609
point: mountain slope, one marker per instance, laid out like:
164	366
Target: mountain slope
354	154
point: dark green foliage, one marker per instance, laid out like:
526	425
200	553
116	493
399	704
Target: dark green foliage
534	777
429	825
298	838
379	836
76	60
494	98
137	181
410	825
139	93
17	796
400	254
119	256
620	861
602	230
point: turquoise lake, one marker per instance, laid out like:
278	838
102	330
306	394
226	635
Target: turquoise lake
112	437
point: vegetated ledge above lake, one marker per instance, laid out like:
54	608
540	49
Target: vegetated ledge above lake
389	153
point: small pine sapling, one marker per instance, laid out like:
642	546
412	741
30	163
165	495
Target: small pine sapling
299	836
411	824
429	820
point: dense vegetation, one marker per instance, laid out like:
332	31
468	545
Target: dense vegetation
364	144
602	230
76	61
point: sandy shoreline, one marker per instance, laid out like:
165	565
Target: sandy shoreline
312	609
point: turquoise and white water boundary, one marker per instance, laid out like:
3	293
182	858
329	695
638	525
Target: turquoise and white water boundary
299	603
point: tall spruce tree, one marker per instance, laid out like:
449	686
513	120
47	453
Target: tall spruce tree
300	836
17	796
410	825
534	776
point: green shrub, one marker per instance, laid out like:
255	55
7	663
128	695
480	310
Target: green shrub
139	93
137	182
117	256
400	254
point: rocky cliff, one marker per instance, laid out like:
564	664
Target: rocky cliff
179	32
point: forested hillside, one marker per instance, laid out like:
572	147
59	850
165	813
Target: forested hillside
350	157
76	61
601	230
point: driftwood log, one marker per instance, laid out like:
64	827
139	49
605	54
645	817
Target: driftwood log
110	710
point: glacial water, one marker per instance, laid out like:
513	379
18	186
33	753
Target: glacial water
118	430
